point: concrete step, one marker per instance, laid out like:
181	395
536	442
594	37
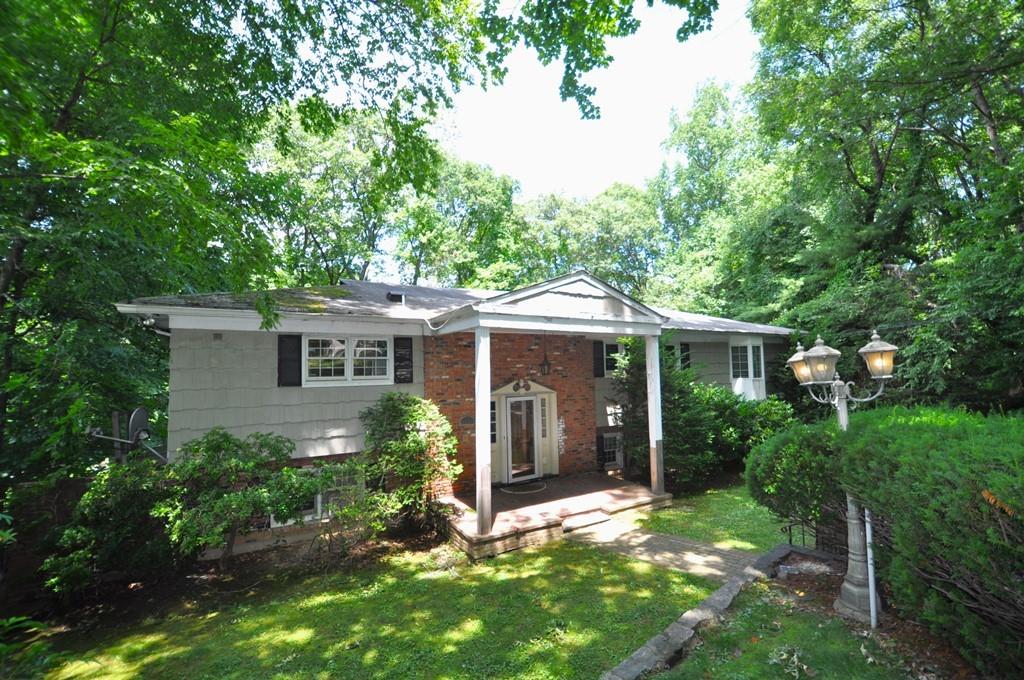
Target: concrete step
585	519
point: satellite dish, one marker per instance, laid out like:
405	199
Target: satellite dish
138	426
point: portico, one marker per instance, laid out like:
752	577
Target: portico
574	310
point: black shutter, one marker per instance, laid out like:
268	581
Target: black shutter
598	359
600	449
289	360
403	360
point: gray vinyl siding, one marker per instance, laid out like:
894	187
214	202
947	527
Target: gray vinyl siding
232	382
710	361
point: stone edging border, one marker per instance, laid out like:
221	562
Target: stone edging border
675	642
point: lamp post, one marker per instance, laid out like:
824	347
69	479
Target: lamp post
815	369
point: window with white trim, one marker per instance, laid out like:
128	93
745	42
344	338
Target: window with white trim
611	349
346	360
610	454
746	361
494	422
684	355
739	360
543	418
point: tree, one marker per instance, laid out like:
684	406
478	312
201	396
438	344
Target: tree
127	126
462	225
343	189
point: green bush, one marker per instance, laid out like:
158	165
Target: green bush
112	530
795	473
221	482
705	427
410	450
948	488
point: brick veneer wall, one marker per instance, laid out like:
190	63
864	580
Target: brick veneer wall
449	374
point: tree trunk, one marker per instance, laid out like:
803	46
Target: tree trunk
229	548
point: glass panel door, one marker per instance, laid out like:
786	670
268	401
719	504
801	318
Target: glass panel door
522	438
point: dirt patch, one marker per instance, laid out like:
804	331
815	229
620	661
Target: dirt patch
812	586
205	587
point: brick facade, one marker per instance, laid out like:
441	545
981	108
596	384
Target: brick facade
449	376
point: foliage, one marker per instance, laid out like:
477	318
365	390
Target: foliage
127	171
421	614
726	517
21	656
948	489
113	530
795	473
344	186
764	636
220	483
410	449
461	226
705	427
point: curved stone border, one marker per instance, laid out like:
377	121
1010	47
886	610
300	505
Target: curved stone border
673	644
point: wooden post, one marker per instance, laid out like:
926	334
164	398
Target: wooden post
654	413
483	431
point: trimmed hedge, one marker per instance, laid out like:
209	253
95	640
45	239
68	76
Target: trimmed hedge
949	487
947	490
795	473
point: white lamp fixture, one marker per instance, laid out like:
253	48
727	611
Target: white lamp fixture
821	362
878	355
798	363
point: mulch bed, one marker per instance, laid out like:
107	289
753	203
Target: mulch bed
927	656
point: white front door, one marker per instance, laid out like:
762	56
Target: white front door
523	437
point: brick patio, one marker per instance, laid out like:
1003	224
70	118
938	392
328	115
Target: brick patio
564	504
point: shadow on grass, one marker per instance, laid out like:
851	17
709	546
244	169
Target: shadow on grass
725	517
559	611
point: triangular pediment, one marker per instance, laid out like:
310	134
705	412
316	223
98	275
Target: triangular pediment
577	295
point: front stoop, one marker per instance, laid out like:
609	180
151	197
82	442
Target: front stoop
587	519
545	527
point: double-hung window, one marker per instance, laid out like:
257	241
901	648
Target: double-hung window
746	361
346	360
611	350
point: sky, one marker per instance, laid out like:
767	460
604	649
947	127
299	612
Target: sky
523	129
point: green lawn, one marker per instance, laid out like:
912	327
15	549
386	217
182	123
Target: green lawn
558	611
765	636
726	518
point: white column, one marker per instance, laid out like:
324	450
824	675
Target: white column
483	431
654	413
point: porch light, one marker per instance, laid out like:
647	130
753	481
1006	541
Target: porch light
798	363
545	366
878	355
821	362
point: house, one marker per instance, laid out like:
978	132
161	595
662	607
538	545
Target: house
523	376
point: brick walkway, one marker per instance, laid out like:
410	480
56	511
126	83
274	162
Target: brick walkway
665	550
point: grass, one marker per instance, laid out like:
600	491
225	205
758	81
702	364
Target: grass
765	636
558	611
726	517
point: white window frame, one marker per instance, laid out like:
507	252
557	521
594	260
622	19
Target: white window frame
306	517
607	355
751	387
619	457
350	350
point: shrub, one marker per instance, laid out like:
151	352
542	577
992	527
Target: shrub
705	427
410	451
947	487
112	530
795	473
221	483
